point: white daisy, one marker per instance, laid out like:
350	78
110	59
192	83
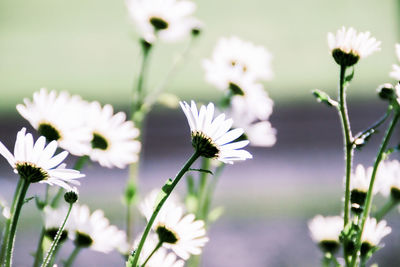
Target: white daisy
212	137
389	175
347	47
58	116
373	234
160	258
53	219
170	20
234	60
113	137
325	231
94	230
37	163
396	68
182	233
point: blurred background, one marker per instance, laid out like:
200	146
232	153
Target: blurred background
90	48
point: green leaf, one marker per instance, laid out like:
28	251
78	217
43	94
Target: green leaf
26	200
165	190
349	77
323	97
202	170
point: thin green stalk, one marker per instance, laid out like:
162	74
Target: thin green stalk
8	221
72	257
369	197
50	253
168	191
389	205
39	249
202	192
159	244
14	221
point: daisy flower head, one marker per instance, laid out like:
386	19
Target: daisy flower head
373	234
182	233
169	20
396	68
94	230
234	59
36	162
160	258
113	139
53	219
348	46
325	231
212	138
58	116
389	174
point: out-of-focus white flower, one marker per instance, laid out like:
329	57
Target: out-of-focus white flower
37	163
5	208
212	138
113	137
182	233
170	20
396	68
94	230
361	178
234	60
325	231
53	219
373	234
389	175
58	116
347	47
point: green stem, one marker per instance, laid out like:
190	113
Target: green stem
14	221
202	192
152	253
50	253
8	222
390	204
72	257
39	249
171	187
369	197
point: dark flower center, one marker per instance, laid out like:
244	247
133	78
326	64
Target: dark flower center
49	131
395	193
99	142
31	172
158	23
83	240
165	235
329	245
204	145
345	59
52	232
235	89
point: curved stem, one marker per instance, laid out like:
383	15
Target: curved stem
167	192
72	257
368	200
390	204
152	253
8	222
50	253
14	221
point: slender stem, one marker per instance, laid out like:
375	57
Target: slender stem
50	253
369	197
171	187
389	205
14	221
159	244
375	125
39	249
8	222
72	257
205	165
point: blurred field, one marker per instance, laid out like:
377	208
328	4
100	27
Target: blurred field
89	47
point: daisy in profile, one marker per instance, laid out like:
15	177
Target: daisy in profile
373	233
113	139
347	47
325	231
182	233
58	116
94	230
169	20
234	60
36	162
160	255
396	68
212	138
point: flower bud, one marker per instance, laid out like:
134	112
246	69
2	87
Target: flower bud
71	197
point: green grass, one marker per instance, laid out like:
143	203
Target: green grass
89	47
